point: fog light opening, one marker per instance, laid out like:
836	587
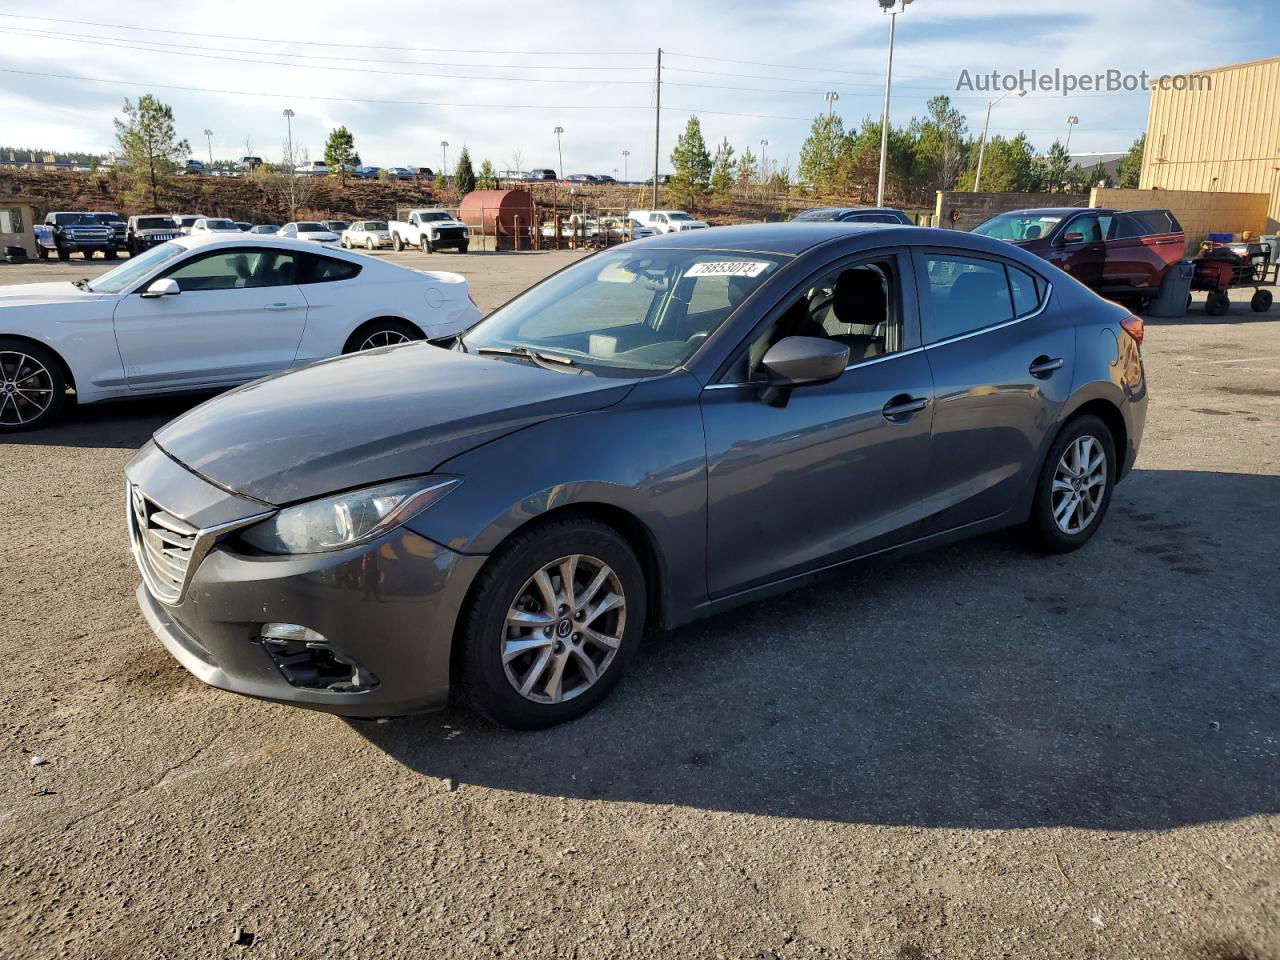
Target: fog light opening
307	659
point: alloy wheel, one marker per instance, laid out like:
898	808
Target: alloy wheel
26	389
1079	483
383	338
564	628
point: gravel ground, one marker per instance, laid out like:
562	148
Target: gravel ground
976	752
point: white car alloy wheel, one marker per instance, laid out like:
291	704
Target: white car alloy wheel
1079	484
26	389
383	338
368	243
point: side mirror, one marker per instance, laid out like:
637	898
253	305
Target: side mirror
1074	236
166	287
801	361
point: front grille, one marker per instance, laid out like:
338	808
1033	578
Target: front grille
449	233
164	546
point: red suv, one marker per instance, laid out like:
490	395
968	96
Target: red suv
1119	253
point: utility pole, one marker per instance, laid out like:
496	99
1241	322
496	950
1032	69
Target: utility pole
657	124
288	116
559	152
764	166
1071	122
982	146
208	136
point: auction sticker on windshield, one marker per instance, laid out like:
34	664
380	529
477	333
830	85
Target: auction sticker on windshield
728	268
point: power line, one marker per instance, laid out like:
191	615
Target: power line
318	43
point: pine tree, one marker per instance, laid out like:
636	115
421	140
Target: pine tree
1129	170
486	179
150	147
692	165
747	168
340	154
722	170
464	178
820	155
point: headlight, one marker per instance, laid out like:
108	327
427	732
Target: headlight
347	518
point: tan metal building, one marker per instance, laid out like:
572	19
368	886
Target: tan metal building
17	224
1222	139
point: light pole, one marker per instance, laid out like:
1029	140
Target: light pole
288	117
625	154
982	147
559	153
764	167
208	136
831	97
1071	122
886	6
444	159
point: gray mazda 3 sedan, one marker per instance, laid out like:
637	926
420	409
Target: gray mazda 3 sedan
651	435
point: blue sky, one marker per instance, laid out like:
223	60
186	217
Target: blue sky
499	77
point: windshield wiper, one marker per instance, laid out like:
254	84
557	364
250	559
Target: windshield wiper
548	361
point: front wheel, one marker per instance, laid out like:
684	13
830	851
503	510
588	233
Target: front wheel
111	254
32	386
64	254
346	244
462	248
396	243
368	244
1075	486
425	246
551	623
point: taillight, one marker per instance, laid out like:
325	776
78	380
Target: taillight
1133	326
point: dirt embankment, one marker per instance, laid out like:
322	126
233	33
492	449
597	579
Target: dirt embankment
239	198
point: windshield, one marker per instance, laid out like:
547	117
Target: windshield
220	225
376	225
154	223
265	228
433	215
824	215
135	268
338	224
308	227
74	220
626	314
109	218
186	221
678	215
1018	226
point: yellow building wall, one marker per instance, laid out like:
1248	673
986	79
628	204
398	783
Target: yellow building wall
1224	139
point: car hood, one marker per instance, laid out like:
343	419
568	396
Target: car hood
55	291
320	235
369	417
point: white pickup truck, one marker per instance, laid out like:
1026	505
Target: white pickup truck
429	230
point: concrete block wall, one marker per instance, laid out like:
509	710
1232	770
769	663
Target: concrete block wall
959	210
1200	212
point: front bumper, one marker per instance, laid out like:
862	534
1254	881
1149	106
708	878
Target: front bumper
390	606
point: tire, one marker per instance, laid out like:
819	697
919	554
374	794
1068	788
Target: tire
425	245
462	248
368	244
396	244
346	244
42	252
488	684
1044	528
1260	302
112	254
382	333
1217	304
28	374
64	254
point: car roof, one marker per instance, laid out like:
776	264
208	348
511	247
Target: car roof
1057	211
838	210
239	239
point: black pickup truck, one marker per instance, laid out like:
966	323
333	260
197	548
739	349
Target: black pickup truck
115	222
66	233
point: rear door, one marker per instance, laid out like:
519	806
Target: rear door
1079	250
1141	244
1002	360
240	315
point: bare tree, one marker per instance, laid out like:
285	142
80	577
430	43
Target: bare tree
517	161
292	188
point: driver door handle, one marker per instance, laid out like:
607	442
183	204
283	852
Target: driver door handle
903	406
1042	366
281	306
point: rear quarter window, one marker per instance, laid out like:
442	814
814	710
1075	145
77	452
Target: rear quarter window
330	269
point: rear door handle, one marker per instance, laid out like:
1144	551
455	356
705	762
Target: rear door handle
903	406
282	306
1043	366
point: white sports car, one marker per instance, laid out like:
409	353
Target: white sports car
207	312
308	230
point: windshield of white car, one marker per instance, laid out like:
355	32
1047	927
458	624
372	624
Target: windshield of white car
308	227
154	223
625	314
186	221
434	215
376	225
220	225
135	268
108	218
74	220
678	216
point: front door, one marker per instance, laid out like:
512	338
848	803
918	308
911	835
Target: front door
837	471
1079	249
239	316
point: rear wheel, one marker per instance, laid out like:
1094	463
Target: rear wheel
1074	490
1261	301
552	622
382	333
42	252
32	386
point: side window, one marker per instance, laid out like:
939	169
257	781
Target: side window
328	269
859	305
1028	291
234	270
965	295
1086	225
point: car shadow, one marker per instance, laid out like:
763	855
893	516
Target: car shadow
115	423
1128	686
